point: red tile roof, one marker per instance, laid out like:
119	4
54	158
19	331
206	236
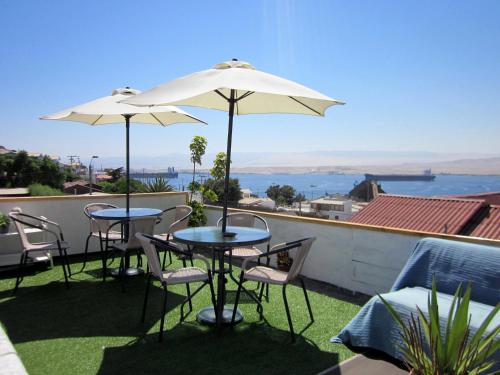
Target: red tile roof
436	215
489	227
491	198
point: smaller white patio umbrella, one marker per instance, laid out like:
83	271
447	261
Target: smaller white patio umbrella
109	110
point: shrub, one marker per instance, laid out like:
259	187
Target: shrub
43	190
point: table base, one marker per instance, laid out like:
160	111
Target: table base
207	315
131	271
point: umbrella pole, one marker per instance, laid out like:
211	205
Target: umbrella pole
127	172
232	101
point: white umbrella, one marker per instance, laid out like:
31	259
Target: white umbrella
109	110
237	87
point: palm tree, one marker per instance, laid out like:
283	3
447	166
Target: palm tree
158	185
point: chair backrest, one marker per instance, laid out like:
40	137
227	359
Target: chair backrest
151	254
140	225
181	219
244	219
16	216
300	257
97	225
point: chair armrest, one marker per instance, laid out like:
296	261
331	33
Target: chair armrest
203	259
112	226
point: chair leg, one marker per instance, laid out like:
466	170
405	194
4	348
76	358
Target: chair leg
104	259
288	313
188	290
121	272
67	262
19	278
238	292
307	299
146	296
63	262
212	290
86	252
163	312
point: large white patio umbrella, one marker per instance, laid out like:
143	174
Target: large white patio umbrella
237	87
109	110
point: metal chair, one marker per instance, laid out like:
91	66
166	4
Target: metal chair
268	275
99	227
181	220
136	225
22	220
185	275
245	219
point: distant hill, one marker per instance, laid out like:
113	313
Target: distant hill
351	162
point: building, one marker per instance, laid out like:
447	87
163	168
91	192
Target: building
80	187
336	208
447	215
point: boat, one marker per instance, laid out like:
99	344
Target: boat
426	176
170	173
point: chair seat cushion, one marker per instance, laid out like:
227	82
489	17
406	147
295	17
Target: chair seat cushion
113	235
243	252
266	275
185	275
47	246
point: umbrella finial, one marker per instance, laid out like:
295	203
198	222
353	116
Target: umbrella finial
235	59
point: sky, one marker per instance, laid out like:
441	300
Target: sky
416	75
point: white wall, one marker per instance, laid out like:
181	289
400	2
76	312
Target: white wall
356	257
68	212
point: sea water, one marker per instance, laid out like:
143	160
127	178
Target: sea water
318	184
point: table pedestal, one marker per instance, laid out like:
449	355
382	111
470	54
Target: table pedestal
207	315
131	271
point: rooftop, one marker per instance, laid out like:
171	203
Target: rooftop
437	215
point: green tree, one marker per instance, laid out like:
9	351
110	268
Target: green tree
197	148
282	195
21	170
273	192
217	186
115	174
120	186
218	171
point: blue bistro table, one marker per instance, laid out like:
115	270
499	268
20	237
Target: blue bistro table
121	214
212	237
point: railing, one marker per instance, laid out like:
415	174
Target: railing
357	257
68	212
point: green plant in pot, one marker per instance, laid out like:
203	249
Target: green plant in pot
284	261
4	223
430	351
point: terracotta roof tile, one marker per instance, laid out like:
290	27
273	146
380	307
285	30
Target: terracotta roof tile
489	227
437	215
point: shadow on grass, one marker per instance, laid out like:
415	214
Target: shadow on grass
87	309
188	348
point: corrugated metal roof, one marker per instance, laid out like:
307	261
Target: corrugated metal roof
489	227
437	215
491	197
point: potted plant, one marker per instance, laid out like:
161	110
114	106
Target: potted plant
4	223
429	351
284	261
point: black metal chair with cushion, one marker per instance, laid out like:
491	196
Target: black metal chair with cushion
99	229
181	221
268	275
184	275
245	219
22	220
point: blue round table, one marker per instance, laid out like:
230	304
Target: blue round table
121	214
212	237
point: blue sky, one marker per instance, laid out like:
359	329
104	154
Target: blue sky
416	75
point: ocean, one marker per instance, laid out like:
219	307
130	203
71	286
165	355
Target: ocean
316	185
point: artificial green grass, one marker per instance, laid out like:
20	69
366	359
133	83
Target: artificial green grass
94	328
